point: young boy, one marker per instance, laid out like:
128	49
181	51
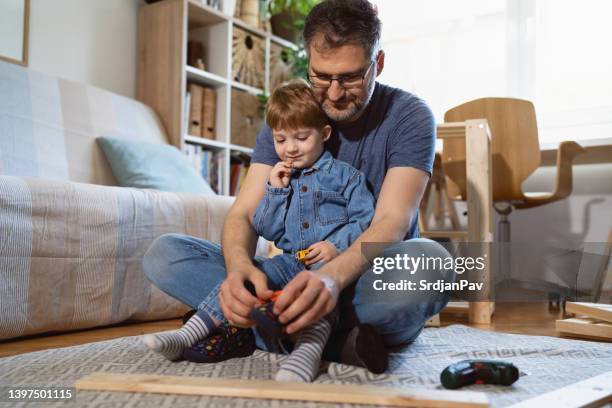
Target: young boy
312	202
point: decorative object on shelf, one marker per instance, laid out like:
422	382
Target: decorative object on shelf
216	4
281	67
195	52
15	20
288	17
238	8
228	7
264	16
199	64
249	12
248	58
246	118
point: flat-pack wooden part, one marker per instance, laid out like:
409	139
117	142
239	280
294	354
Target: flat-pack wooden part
334	393
434	321
586	327
598	310
593	392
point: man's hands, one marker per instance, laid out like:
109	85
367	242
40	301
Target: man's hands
320	251
280	174
236	301
307	298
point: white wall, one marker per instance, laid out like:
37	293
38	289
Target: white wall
449	52
88	41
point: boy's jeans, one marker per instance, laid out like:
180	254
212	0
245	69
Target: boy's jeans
191	270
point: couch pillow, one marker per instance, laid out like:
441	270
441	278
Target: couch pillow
152	165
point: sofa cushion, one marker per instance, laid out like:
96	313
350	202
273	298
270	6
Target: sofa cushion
151	165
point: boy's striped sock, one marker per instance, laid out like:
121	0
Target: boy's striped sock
171	345
303	363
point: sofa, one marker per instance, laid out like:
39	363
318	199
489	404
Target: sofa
71	239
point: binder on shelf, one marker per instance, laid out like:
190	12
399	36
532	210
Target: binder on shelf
186	112
195	112
209	111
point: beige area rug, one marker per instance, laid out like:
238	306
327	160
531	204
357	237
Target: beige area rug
549	363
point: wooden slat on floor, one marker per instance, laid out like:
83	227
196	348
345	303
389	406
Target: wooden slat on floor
334	393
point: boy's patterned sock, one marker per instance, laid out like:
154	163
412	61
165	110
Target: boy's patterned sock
303	363
222	344
171	345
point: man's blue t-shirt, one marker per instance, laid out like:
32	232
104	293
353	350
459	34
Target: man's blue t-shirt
397	129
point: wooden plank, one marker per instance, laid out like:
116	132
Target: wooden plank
457	307
334	393
201	15
593	392
587	327
162	54
434	321
597	310
462	235
480	206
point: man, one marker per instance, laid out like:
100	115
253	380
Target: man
386	133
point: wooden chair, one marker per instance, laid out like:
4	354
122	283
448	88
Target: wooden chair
515	149
515	154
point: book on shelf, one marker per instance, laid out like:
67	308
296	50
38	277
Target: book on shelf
239	164
205	165
208	163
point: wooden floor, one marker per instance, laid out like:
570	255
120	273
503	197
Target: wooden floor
523	318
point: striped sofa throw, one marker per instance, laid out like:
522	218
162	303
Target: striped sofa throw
71	253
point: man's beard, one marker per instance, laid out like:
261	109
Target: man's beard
356	106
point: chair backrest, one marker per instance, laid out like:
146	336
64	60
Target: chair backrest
514	145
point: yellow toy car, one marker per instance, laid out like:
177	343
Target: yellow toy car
301	255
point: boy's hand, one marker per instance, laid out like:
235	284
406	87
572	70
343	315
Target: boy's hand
320	251
280	174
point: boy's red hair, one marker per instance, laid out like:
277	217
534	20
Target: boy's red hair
293	105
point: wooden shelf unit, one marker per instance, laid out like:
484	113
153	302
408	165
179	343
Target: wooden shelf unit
164	28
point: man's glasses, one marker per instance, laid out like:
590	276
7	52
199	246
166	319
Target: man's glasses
345	81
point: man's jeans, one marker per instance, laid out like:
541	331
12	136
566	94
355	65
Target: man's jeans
191	270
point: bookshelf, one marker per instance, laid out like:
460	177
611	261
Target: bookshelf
163	77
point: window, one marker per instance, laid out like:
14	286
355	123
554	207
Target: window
555	53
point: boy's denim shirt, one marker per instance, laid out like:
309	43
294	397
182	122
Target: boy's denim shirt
326	202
